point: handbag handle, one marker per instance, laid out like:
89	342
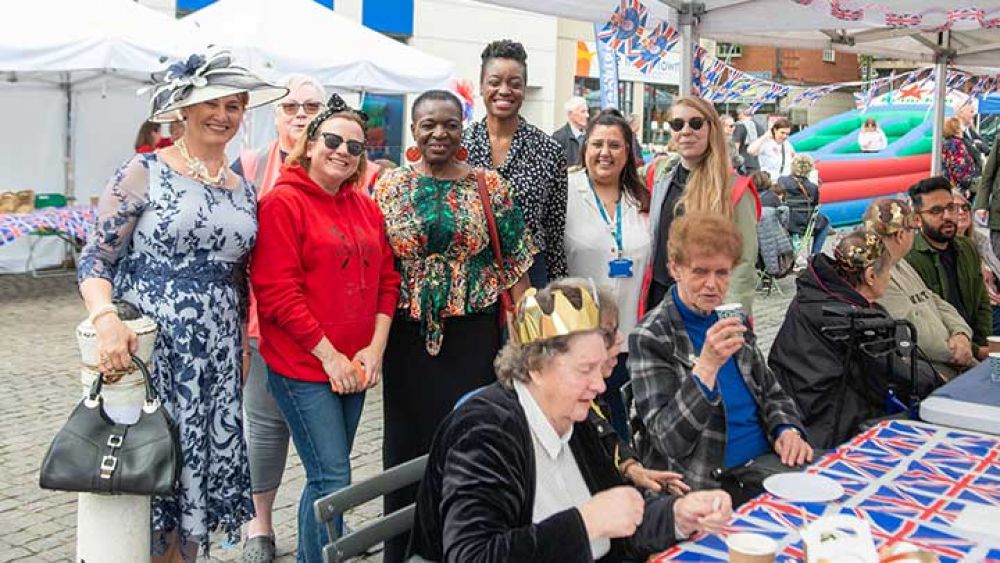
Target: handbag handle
506	301
98	384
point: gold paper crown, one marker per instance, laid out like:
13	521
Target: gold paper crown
533	324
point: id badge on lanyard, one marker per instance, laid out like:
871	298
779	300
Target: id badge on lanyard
620	266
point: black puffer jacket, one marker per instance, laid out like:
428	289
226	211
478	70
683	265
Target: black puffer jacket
810	364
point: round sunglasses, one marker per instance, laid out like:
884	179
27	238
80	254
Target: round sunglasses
292	108
333	142
677	123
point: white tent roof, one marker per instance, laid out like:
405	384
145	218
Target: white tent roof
39	36
786	23
286	36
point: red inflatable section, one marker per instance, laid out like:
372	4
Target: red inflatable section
847	180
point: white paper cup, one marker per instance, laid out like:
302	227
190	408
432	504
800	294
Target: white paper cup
746	547
727	310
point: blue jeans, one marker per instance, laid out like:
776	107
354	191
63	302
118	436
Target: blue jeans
819	238
322	424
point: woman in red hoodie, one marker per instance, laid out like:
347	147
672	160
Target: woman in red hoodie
326	291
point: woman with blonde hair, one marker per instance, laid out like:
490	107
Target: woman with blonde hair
699	180
959	163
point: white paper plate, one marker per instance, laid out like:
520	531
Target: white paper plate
803	487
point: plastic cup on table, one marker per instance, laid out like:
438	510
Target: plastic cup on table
995	367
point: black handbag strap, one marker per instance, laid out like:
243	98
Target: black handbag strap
95	388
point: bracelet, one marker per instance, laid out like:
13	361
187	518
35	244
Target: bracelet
101	311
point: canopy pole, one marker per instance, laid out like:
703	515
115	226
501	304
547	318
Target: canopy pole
940	93
69	188
689	42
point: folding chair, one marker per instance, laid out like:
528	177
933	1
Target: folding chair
332	506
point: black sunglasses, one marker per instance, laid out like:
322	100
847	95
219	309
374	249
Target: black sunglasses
695	123
333	142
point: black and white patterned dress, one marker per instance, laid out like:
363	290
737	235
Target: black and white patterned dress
177	249
536	170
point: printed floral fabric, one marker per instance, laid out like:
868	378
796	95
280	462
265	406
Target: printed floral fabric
959	168
536	171
440	237
177	250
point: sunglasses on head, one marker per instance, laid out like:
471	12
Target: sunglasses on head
677	124
292	108
333	142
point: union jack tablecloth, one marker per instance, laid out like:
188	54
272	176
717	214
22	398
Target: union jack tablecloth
909	480
73	221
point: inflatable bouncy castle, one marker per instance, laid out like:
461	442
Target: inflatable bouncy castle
852	178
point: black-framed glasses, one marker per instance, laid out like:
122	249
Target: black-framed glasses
292	108
939	210
695	123
333	142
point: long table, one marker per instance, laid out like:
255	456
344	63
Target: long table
909	480
75	222
970	402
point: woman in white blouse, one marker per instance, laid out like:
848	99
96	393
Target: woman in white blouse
607	230
773	150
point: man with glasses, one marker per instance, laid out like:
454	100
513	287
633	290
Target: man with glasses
949	265
941	332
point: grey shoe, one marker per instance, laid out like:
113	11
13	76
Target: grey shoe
259	549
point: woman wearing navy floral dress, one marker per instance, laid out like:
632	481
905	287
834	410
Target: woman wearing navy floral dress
173	235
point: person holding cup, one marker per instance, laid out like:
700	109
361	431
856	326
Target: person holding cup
326	287
711	408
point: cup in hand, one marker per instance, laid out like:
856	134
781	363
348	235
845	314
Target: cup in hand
751	548
727	310
995	367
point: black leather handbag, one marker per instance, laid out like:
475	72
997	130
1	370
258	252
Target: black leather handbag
92	453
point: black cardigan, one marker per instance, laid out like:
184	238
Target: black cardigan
477	496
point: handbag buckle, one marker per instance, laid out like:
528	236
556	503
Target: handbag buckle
115	440
108	464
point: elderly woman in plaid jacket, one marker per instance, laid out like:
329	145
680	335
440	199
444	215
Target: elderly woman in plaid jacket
710	407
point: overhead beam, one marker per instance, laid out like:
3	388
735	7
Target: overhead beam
879	34
978	49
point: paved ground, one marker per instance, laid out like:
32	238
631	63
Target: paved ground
39	365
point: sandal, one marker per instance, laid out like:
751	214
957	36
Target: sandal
259	549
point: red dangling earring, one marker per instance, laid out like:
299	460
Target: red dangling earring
462	154
412	154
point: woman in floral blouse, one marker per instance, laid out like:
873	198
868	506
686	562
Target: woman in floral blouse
447	330
959	166
522	154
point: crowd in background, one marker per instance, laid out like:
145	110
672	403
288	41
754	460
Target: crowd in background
532	280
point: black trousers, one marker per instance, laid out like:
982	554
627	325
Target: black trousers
419	390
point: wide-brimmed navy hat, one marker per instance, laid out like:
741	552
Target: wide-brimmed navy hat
200	78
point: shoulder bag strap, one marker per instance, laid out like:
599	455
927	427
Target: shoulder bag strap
506	302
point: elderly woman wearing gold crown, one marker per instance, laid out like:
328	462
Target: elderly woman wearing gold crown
173	234
517	474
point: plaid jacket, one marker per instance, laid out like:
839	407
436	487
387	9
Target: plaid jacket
685	431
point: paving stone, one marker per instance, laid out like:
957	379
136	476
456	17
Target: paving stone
39	385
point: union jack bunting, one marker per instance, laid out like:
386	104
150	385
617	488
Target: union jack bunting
908	480
903	20
625	27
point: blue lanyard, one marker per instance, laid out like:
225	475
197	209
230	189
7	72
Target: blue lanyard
618	217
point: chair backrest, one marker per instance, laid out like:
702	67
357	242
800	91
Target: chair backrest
49	200
332	506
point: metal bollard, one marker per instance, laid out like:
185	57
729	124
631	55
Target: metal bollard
115	528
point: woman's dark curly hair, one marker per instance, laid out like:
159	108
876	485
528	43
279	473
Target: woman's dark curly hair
630	180
504	49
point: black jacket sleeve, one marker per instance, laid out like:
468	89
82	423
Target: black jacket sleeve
484	491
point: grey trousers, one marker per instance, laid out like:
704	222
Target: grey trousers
265	427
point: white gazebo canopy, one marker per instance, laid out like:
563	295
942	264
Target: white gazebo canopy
279	37
943	32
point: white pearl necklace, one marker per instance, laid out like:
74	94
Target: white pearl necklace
198	170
